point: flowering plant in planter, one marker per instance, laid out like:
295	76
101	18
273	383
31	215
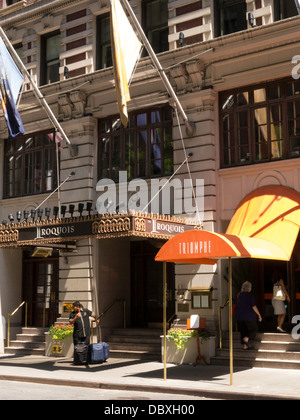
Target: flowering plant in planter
181	336
60	332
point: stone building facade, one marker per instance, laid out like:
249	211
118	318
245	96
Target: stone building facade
233	65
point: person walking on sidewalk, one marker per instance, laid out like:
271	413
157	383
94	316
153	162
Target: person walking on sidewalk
246	315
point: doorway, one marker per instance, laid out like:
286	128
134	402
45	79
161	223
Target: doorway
147	286
295	280
40	290
290	271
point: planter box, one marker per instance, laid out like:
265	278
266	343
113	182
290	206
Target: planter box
59	348
189	353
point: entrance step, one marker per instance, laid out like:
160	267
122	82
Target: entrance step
30	342
135	343
269	350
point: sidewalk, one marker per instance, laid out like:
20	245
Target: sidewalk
126	374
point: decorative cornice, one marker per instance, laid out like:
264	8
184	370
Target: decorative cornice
188	76
72	229
12	8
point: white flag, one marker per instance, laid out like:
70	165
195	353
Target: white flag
126	49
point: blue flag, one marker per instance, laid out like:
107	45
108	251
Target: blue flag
10	84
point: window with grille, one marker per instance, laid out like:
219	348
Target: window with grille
30	165
144	149
260	123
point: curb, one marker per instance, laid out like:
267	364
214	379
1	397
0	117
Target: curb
215	394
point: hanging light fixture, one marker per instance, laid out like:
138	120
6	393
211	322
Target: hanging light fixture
26	215
40	213
32	214
47	212
71	209
63	210
80	208
19	216
55	212
89	207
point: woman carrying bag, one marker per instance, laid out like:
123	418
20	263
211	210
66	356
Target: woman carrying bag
246	315
280	295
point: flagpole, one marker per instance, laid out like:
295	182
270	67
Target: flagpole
73	147
190	126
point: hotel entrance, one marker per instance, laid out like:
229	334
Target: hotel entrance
263	272
40	289
147	286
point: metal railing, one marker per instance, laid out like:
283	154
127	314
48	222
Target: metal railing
12	314
220	323
105	311
110	306
171	319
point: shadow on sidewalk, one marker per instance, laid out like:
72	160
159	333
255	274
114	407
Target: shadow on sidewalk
201	372
52	364
128	368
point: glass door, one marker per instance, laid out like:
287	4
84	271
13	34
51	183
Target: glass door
40	289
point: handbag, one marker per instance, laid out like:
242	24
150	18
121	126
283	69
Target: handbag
278	293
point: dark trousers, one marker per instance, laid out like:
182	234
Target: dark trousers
79	340
247	329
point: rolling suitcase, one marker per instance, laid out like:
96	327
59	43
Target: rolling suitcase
98	353
80	354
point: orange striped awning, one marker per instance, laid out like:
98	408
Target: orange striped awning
271	213
265	225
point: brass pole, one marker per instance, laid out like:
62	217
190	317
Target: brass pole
230	322
26	314
220	330
165	317
8	330
124	313
44	314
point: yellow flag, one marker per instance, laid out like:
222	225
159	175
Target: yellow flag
126	49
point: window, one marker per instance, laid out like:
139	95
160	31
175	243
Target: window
30	165
104	57
285	9
230	16
144	149
155	24
260	123
50	63
10	2
201	298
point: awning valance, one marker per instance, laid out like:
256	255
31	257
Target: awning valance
202	247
